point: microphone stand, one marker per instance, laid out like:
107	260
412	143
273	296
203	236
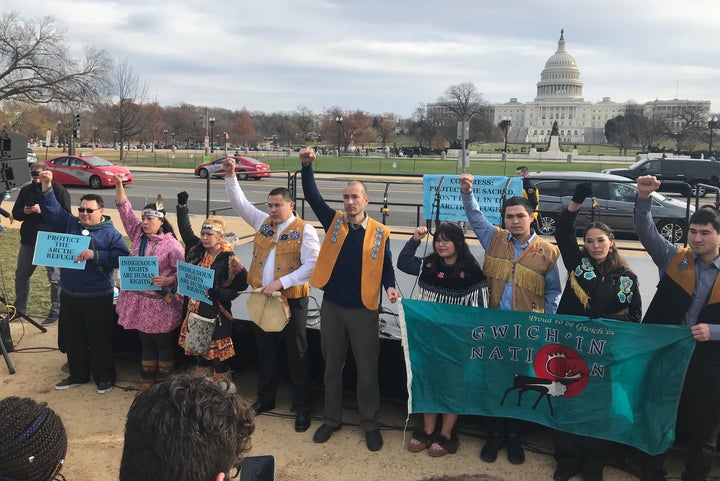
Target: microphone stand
437	203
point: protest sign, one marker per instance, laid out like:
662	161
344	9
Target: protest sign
60	250
194	281
136	273
488	191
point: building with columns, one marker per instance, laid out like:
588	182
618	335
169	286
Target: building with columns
559	98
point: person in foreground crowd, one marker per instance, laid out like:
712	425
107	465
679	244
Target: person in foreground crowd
450	275
185	428
27	210
33	442
284	255
354	262
530	193
522	276
688	294
212	251
600	285
87	314
154	314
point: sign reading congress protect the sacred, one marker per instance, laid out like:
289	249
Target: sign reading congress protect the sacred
194	281
488	191
136	273
60	250
602	378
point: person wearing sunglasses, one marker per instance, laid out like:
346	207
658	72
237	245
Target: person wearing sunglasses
27	210
87	314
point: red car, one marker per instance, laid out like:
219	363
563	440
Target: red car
245	168
87	170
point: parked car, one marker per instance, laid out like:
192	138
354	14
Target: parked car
692	171
87	170
31	157
615	201
245	168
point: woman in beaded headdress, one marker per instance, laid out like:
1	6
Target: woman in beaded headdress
449	275
33	442
212	251
156	314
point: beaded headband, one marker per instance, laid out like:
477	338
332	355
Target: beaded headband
153	213
212	227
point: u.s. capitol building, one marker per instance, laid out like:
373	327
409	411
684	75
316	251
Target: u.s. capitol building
560	98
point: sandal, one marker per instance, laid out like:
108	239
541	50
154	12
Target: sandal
443	445
419	441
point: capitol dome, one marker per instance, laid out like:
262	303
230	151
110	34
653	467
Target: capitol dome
561	77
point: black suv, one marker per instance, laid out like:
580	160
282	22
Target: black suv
692	171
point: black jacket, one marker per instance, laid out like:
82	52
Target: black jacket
32	223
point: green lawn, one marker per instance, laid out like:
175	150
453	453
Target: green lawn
39	286
279	161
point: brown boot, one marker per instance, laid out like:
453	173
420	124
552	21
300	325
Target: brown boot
205	371
149	373
165	368
224	380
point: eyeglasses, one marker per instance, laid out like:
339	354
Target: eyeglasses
82	210
442	241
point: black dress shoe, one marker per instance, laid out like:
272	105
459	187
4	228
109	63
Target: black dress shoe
302	422
563	474
259	407
494	443
323	433
374	440
515	451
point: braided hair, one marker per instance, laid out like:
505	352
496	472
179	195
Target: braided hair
33	441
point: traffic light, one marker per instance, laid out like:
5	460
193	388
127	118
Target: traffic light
76	126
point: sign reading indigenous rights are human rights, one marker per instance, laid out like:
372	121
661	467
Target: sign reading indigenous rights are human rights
194	281
602	378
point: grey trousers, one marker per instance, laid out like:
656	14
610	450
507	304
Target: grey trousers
25	269
338	325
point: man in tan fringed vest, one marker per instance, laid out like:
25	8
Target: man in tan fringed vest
354	263
284	256
522	273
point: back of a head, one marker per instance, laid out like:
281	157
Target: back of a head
33	442
185	428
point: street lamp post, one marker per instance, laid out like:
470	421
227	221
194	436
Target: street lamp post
95	137
712	124
212	133
505	126
339	121
165	132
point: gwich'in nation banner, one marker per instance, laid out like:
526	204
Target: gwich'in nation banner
607	379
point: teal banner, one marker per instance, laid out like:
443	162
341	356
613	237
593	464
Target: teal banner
607	379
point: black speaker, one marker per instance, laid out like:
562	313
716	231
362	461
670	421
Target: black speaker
14	173
13	146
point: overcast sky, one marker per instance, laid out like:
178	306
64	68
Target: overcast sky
391	55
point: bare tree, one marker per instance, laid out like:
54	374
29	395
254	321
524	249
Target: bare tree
127	96
35	64
686	125
385	125
463	100
304	118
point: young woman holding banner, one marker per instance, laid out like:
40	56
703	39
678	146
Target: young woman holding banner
600	284
449	275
